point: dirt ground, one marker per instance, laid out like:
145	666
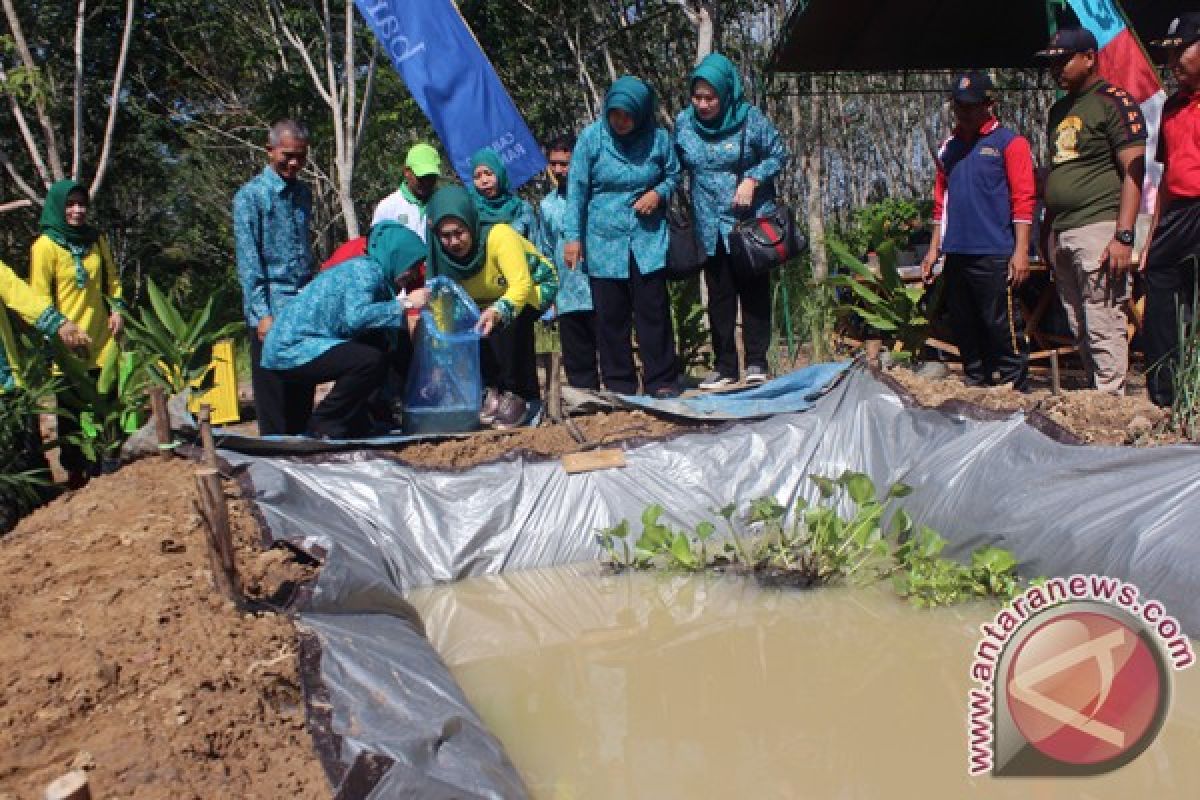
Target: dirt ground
1094	417
552	440
117	657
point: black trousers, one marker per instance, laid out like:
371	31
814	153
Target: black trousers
279	408
727	287
507	358
577	337
986	320
357	370
623	304
1170	280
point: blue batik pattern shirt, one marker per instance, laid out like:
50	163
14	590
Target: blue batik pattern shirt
574	291
713	165
270	231
339	304
602	186
525	222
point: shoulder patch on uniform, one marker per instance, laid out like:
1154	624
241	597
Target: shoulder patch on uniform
1127	109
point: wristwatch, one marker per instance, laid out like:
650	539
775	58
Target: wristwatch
1124	237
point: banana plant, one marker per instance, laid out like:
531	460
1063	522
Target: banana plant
176	350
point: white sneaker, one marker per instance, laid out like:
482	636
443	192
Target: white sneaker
715	380
755	376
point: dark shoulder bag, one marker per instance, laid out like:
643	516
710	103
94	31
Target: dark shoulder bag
760	244
685	254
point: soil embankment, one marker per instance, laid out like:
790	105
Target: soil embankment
116	656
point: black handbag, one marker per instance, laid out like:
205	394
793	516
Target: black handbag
685	254
760	244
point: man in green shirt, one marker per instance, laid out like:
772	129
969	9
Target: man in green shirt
1096	162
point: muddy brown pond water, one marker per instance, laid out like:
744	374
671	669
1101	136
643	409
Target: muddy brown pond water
667	686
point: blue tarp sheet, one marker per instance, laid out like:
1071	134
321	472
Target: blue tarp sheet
795	391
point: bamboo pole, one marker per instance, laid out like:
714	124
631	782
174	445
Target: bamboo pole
204	417
220	537
162	421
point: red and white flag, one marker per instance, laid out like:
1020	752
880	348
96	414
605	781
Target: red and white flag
1123	63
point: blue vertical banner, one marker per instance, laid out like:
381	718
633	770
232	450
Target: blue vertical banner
454	84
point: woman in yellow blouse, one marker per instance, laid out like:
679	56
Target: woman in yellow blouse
21	445
72	264
510	280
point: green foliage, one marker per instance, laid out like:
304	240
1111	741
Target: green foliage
175	349
928	580
23	482
110	404
545	337
820	546
809	307
689	318
882	301
1185	407
892	220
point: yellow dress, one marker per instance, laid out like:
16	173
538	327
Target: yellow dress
16	296
52	273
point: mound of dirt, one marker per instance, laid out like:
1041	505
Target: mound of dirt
1092	416
548	440
116	655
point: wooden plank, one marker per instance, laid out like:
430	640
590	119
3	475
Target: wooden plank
593	460
72	786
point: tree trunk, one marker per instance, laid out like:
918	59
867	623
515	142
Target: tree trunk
814	155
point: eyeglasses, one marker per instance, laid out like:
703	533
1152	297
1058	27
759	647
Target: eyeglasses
560	163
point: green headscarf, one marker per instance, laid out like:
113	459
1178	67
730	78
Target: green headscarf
722	75
395	248
505	206
76	239
454	201
637	98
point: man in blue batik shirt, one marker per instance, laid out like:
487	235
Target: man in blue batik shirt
271	214
576	319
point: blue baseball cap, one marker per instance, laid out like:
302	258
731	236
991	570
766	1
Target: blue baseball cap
1069	41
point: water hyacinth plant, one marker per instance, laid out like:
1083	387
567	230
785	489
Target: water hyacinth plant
819	546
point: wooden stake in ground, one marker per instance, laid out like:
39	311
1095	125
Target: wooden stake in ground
162	420
874	347
220	537
72	786
554	387
204	417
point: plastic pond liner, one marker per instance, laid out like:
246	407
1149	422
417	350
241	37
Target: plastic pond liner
389	718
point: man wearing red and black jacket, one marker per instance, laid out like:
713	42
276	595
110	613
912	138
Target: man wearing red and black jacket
983	211
1169	264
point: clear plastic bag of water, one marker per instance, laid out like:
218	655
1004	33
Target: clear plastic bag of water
444	390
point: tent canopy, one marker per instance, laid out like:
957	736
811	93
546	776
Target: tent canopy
926	35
